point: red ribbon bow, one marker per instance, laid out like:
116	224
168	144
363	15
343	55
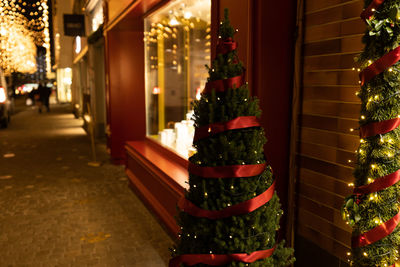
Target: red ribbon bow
229	171
214	128
220	259
379	184
223	85
226	46
381	127
370	10
235	210
380	65
377	233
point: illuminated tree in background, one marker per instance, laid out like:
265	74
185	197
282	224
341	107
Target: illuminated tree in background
373	209
231	213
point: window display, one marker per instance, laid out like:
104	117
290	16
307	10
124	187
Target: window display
177	48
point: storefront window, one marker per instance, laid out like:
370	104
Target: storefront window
64	81
96	15
177	48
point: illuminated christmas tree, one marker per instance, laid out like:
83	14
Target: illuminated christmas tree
231	212
373	209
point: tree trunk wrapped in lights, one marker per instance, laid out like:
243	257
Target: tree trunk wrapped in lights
230	214
373	209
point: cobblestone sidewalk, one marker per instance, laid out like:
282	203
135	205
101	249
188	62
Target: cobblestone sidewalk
55	210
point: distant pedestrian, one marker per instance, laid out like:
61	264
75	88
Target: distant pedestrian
33	96
44	95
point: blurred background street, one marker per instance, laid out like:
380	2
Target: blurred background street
55	210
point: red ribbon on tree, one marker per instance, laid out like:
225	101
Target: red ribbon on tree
214	128
220	259
379	184
380	65
377	233
235	210
229	171
370	10
381	127
226	46
223	85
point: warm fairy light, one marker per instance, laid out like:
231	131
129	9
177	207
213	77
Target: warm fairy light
351	129
373	166
19	35
370	180
348	253
365	254
187	15
382	140
389	154
350	184
373	197
3	96
357	93
376	97
361	151
361	140
390	69
369	62
362	117
173	22
46	33
349	161
353	69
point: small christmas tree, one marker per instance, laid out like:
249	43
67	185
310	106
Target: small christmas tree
373	210
231	213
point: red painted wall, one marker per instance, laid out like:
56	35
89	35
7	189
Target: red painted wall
126	103
273	59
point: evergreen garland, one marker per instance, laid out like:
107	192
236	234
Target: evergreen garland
377	156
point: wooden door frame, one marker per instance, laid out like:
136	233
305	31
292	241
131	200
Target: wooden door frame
294	127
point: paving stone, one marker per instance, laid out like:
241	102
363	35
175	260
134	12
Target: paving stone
55	210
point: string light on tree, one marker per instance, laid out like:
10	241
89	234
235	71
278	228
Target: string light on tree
373	208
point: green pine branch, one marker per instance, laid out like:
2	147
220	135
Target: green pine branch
379	155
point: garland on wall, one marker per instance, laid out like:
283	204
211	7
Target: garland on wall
373	209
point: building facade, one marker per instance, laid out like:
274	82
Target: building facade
298	58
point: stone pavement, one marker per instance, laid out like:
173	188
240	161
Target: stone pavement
55	210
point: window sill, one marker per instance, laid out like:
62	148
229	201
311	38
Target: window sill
158	176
